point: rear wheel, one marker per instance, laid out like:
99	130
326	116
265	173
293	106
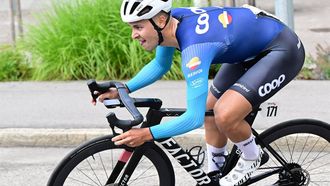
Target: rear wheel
304	144
93	162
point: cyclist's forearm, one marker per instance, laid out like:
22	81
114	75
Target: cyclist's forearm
192	119
149	74
154	70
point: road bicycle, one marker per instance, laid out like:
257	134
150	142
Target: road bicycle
296	152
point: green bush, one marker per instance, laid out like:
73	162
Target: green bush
307	70
318	67
323	61
12	67
83	39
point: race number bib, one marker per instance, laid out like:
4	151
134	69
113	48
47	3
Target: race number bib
269	109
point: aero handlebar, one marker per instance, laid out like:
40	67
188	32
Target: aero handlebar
99	88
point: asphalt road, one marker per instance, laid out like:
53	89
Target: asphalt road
67	105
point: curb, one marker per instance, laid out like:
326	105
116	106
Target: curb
29	137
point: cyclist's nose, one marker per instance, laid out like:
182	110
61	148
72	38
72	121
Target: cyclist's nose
134	35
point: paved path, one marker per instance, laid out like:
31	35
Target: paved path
44	113
67	104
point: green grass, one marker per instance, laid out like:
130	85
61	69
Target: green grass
78	40
12	67
82	39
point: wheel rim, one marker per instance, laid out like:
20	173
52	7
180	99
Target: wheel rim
310	153
96	169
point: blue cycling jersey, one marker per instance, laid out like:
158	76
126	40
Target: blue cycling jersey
205	36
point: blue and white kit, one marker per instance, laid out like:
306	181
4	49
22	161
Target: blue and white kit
258	53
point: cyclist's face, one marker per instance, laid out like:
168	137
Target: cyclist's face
145	33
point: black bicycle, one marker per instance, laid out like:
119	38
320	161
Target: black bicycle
297	151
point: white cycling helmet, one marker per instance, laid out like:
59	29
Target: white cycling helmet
136	10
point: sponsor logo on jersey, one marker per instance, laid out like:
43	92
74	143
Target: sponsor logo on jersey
225	19
194	73
197	82
193	63
268	87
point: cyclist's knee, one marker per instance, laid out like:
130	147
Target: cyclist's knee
225	120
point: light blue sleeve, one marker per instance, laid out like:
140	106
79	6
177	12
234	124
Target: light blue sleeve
154	70
196	61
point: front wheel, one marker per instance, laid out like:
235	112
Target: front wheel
94	163
304	145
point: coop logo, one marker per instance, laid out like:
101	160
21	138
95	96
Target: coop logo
268	87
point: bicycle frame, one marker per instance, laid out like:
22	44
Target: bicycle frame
132	156
155	115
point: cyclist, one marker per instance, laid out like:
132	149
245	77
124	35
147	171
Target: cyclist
259	56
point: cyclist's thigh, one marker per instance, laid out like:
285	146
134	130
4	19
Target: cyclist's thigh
273	71
225	78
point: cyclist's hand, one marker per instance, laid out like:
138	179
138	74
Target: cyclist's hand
134	137
111	94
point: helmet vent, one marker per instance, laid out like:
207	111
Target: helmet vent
125	7
134	7
144	10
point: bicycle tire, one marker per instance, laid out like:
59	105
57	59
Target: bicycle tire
304	144
74	164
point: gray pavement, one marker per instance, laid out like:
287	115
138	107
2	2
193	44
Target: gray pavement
60	113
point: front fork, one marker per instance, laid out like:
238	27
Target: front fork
124	157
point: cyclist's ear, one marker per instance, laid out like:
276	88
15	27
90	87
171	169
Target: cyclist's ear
161	19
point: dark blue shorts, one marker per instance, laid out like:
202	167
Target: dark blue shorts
262	77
